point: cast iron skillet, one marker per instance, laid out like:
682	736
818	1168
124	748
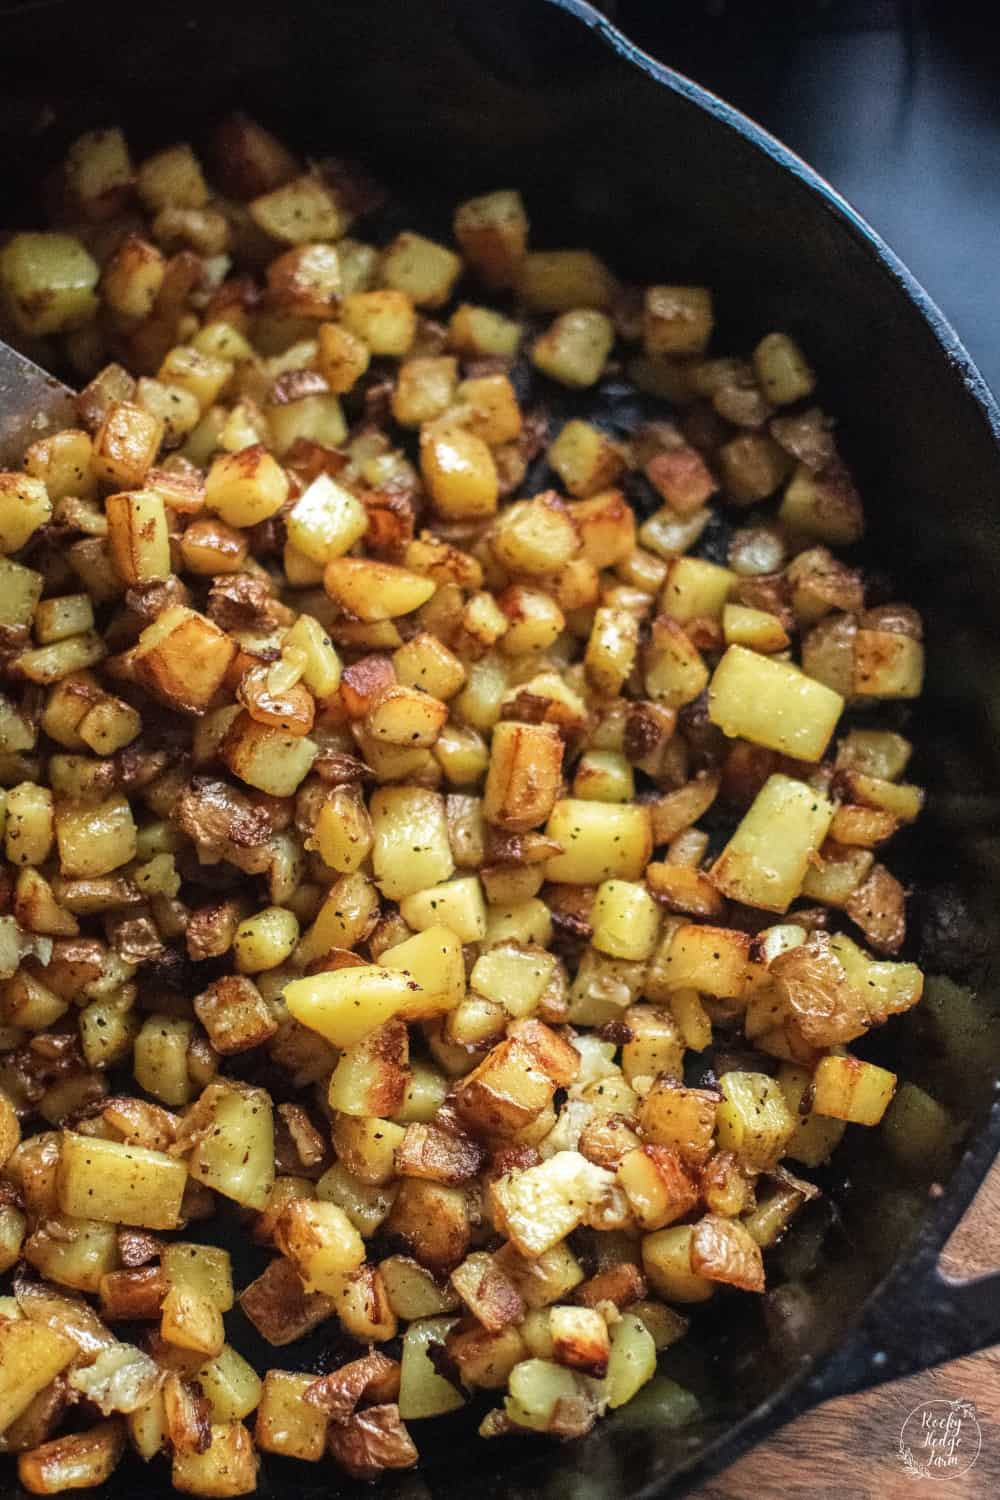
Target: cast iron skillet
448	97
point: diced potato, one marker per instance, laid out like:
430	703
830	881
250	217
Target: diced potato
658	1185
680	1118
322	1243
600	841
371	1076
765	862
345	1004
605	523
422	1391
386	320
492	232
246	487
287	1424
757	629
455	904
631	1361
603	776
125	445
677	320
137	536
265	940
116	1183
724	1250
20	587
887	665
326	520
411	850
538	1207
560	280
31	1355
675	673
228	1466
24	507
482	331
231	1385
574	348
611	650
666	1261
301	211
845	1088
459	472
235	1155
265	757
423	269
626	920
92	841
191	1321
342	357
782	370
372	590
695	589
772	703
585	458
203	1269
49	281
824	506
815	1137
183	658
160	1059
754	1121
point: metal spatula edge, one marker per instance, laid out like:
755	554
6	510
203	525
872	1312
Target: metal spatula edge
33	404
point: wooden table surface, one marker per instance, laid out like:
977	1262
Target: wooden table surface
848	1448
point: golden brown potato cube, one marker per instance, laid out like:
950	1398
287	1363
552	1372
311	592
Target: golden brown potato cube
580	1339
524	775
536	537
267	758
487	1292
434	1220
305	281
845	1088
666	1260
24	507
600	841
605	523
227	1467
235	1015
386	320
424	389
125	445
79	1460
459	472
246	487
825	505
681	1118
492	233
485	1359
209	547
372	590
278	1306
538	1207
481	331
190	1321
406	716
887	665
137	536
285	1423
713	960
49	281
424	270
20	591
660	1188
94	840
63	463
183	658
560	280
573	350
677	320
682	478
342	357
172	178
752	467
508	1090
426	663
372	1075
586	459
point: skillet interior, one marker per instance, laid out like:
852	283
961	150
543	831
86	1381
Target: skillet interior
457	98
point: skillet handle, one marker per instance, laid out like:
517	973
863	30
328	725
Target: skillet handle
946	1318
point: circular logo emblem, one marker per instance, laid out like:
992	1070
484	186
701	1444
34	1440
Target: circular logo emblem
940	1439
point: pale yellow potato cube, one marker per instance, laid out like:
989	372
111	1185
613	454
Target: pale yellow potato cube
316	419
600	841
677	320
782	369
321	1242
265	940
343	1005
675	672
285	1423
772	703
603	776
423	269
342	357
236	1156
126	445
753	1120
411	849
513	976
116	1183
455	904
204	1269
666	1261
267	758
56	619
137	536
20	587
301	211
326	520
528	921
424	389
227	1467
433	959
459	472
374	591
695	588
585	458
31	1355
24	507
482	331
765	862
757	629
230	1384
50	282
626	920
422	1391
574	349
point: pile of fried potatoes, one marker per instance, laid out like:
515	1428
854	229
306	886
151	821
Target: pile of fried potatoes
465	879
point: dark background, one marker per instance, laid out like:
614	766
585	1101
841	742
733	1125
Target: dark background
896	102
